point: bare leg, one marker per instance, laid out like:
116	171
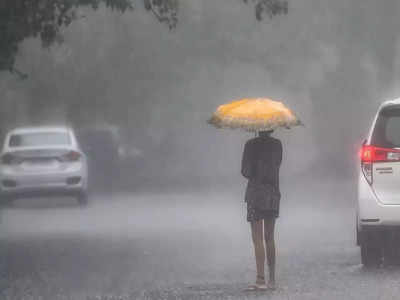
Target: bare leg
269	230
259	250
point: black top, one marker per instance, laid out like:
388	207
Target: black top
261	161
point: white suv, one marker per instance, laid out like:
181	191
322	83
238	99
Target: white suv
41	161
378	211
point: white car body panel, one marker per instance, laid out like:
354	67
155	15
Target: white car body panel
41	168
386	182
379	203
370	208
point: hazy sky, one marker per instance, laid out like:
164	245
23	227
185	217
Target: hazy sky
333	62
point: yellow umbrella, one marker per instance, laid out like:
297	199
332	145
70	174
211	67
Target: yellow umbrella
256	114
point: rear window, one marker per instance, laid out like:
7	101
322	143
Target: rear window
387	129
40	139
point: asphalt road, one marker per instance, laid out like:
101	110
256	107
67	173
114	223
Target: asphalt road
183	246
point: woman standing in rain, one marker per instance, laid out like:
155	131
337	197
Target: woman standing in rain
261	161
262	158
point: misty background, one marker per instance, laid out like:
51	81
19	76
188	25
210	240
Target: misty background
175	226
332	62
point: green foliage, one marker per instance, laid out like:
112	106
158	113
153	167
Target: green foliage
270	8
45	19
21	19
166	11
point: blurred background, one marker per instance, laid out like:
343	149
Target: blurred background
138	80
150	86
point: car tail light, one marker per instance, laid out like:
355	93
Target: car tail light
366	168
371	154
71	156
10	159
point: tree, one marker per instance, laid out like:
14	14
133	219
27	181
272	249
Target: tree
270	8
22	19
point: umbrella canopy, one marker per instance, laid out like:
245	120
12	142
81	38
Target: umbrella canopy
254	115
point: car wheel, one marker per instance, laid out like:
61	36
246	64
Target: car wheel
6	201
391	256
358	242
83	199
371	255
391	249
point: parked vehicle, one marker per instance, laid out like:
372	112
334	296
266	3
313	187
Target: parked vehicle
378	211
102	144
39	161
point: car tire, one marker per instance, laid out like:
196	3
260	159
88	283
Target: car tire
83	199
371	255
6	201
391	249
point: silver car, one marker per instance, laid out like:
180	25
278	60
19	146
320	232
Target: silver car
38	161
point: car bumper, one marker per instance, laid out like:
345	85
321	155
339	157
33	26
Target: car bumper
25	185
372	213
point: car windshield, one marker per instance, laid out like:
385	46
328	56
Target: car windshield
387	129
39	139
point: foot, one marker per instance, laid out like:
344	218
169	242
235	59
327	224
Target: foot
271	285
258	286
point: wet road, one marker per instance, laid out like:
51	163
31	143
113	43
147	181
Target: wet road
182	246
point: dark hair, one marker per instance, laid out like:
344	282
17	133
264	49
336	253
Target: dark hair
265	132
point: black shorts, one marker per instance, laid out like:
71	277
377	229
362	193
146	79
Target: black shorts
255	214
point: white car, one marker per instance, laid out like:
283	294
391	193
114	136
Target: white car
42	161
378	210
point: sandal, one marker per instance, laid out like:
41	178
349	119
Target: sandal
259	286
271	286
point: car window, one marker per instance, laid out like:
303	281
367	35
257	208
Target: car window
387	129
39	139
